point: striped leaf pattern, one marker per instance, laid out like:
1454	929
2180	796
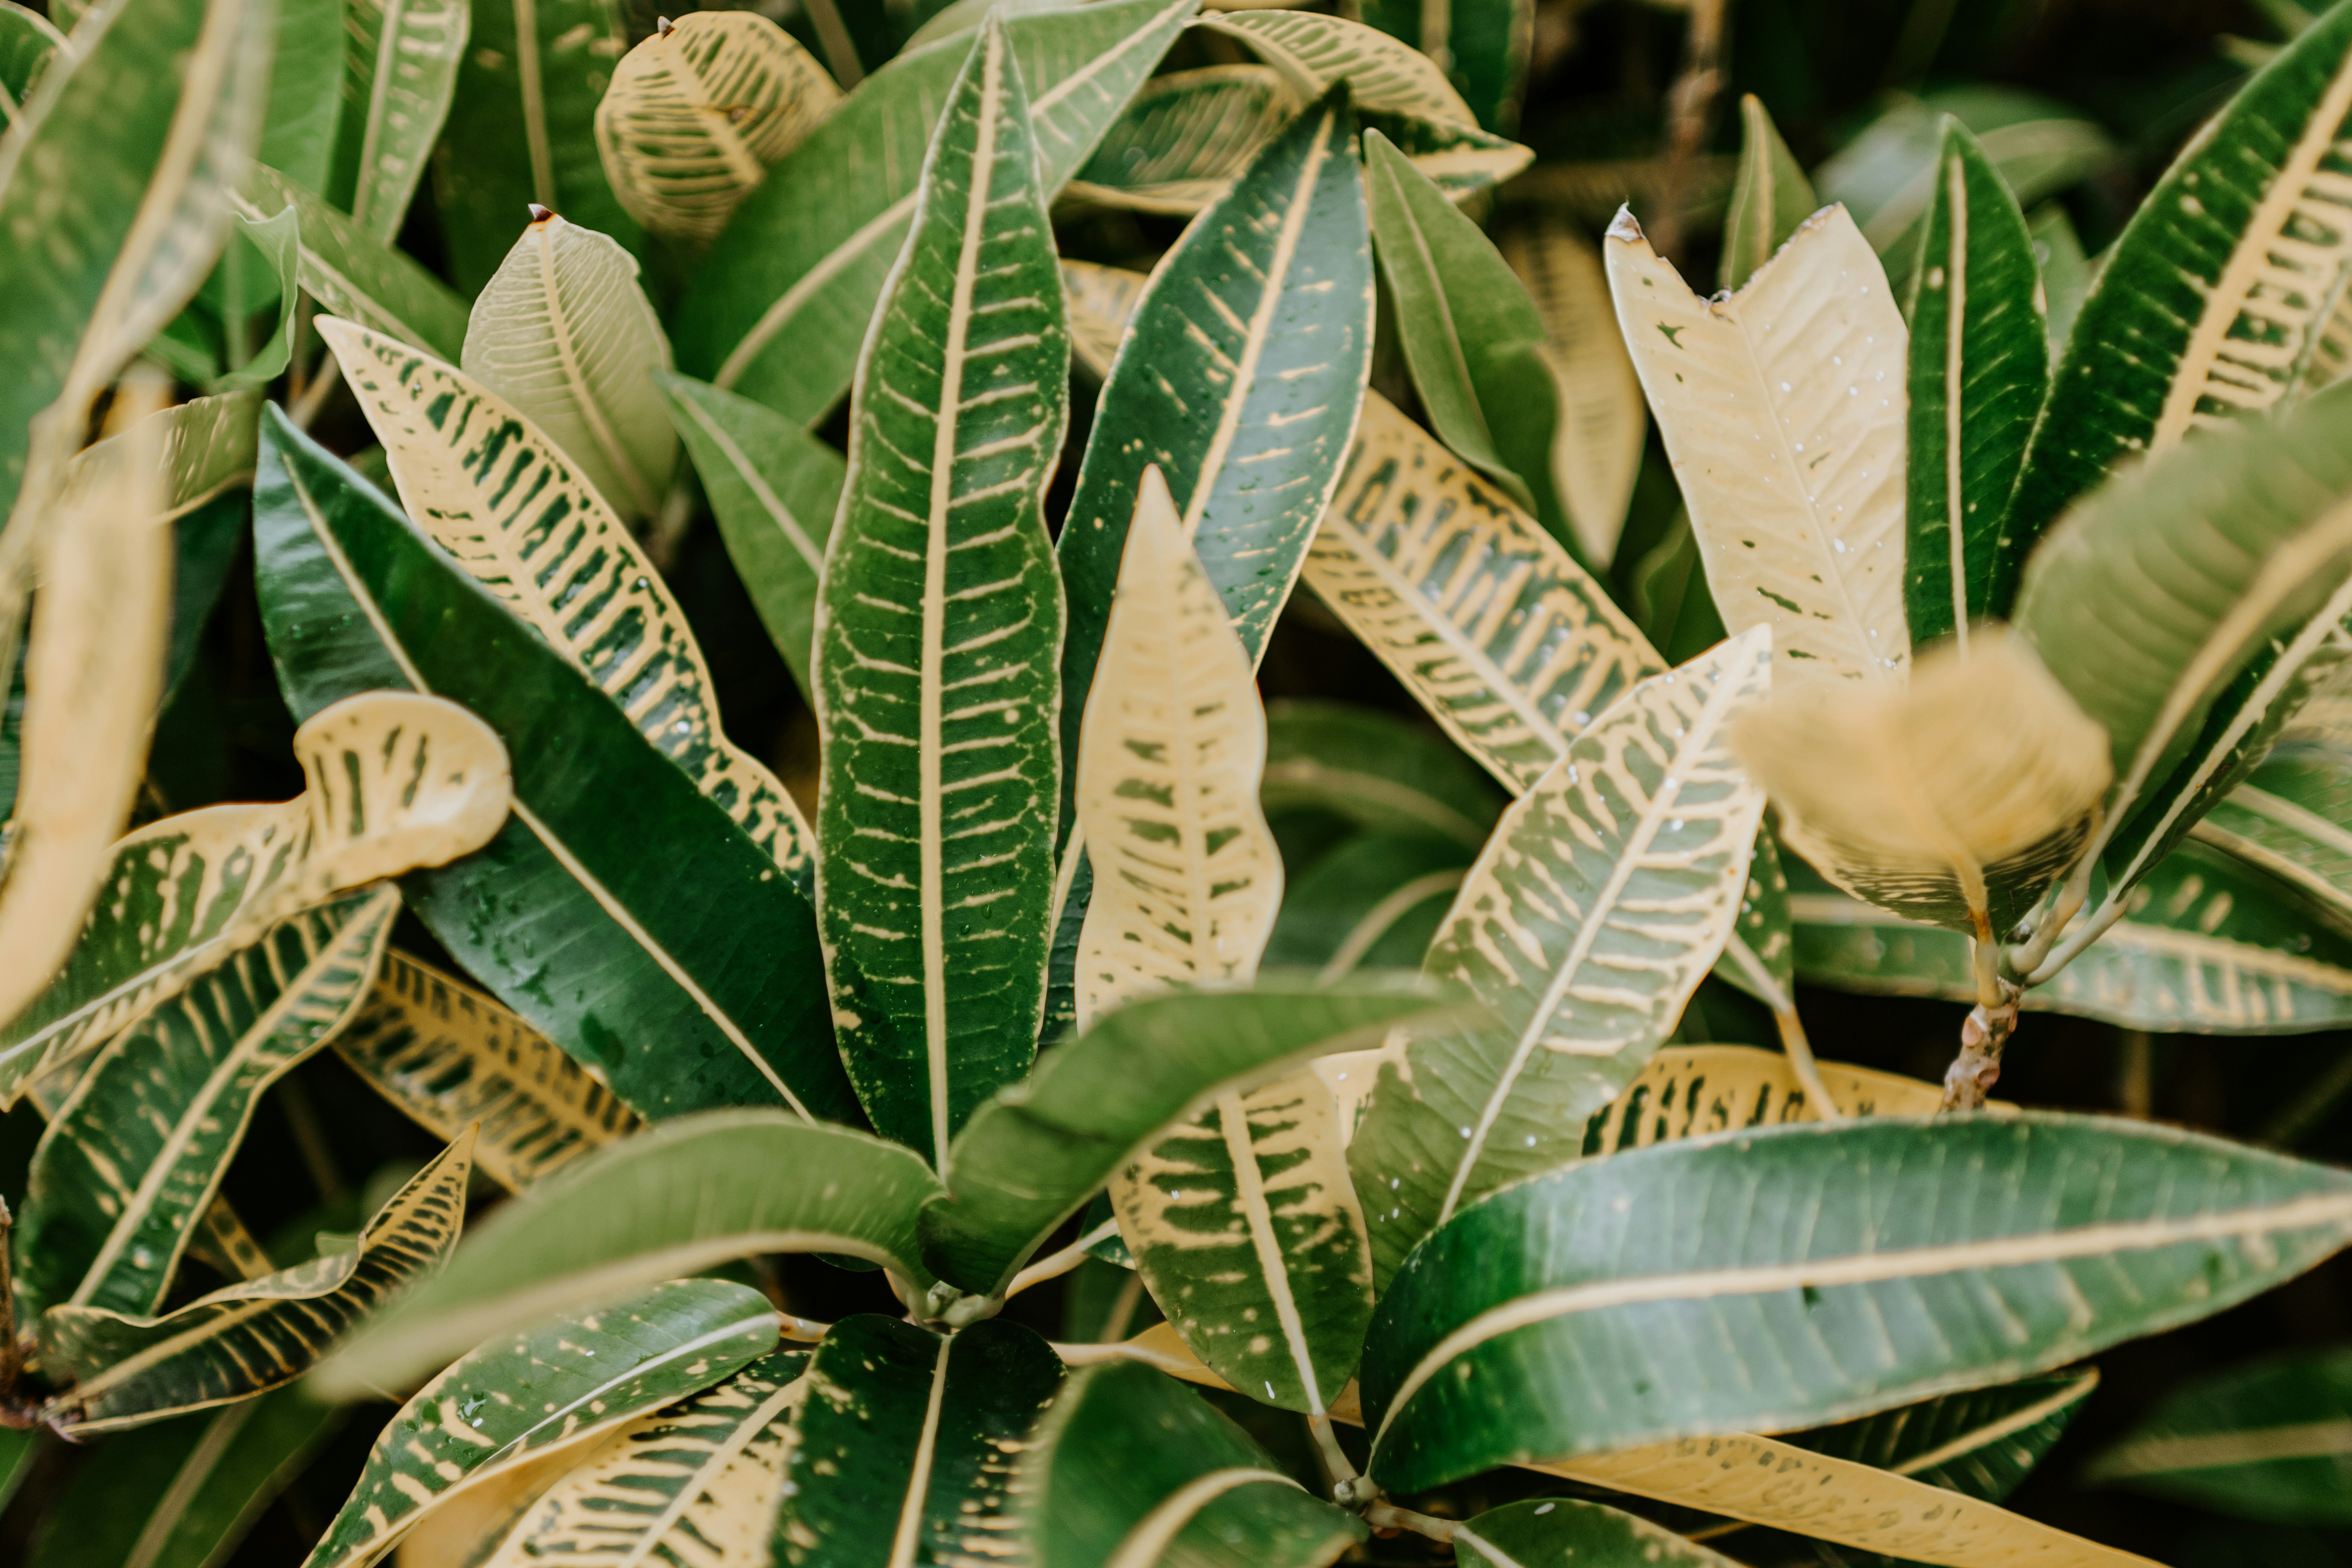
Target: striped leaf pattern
692	1486
1184	138
450	1057
697	112
1783	412
588	1373
135	1155
1102	301
250	1338
1482	46
941	616
400	71
397	781
1602	900
2292	819
476	475
1384	74
907	1442
1981	1444
1690	1091
562	333
27	45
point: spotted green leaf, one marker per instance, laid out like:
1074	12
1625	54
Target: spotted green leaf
1769	197
399	74
2271	1440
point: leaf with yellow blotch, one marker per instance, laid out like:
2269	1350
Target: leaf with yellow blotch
1690	1091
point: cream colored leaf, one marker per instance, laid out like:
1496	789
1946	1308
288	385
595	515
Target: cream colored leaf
1689	1091
1100	300
1187	875
1384	74
1956	802
1783	409
459	455
207	447
450	1056
1597	450
562	333
697	113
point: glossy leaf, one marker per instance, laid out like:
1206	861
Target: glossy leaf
1374	902
1186	135
587	1372
1035	1153
2287	820
400	64
1601	902
1482	46
255	1336
1543	1534
1979	367
780	309
1770	197
135	1155
682	1197
905	1450
1782	409
1129	1469
935	638
2135	1228
353	274
562	333
2271	1440
451	1058
578	915
1690	1091
277	242
1982	1443
1376	771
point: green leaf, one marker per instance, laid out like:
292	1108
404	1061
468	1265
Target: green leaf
2213	301
1131	1468
1552	1532
774	489
521	129
2292	819
697	1477
29	45
208	446
182	1494
614	911
1035	1154
1980	366
189	890
297	130
1378	771
1315	52
1482	46
1769	197
1761	958
278	241
398	73
687	1195
586	1374
1470	332
1602	900
902	1452
2271	1440
1373	903
1982	1443
2066	273
1777	1294
135	1154
1179	145
237	1342
450	1056
780	307
351	273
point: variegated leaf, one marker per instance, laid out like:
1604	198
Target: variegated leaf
557	556
587	1373
250	1338
940	619
1180	144
1783	410
352	273
1102	301
1690	1091
1598	905
450	1057
399	73
692	1486
562	333
696	113
2270	1440
397	781
134	1157
29	45
1981	1443
906	1444
1563	1528
1312	51
204	446
1484	47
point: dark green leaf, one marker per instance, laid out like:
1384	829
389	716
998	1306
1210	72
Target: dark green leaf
1376	770
28	44
297	130
1556	1531
1373	903
1482	46
2292	819
1983	1443
396	73
2270	1441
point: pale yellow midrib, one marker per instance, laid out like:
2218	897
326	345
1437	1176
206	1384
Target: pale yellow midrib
387	46
1993	1432
575	373
2215	1450
909	1535
1257	1212
1143	1546
1955	345
187	1481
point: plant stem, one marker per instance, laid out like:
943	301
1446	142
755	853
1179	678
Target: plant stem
1808	1070
1388	1515
13	1410
1055	1265
1977	1067
2138	1089
1688	102
1336	1466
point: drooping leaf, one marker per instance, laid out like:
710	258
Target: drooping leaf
245	1340
276	242
521	129
450	1057
935	654
696	113
780	307
400	64
695	1480
586	1374
1180	142
562	333
189	890
135	1155
616	911
1482	46
687	1195
2217	295
351	273
906	1446
1374	902
2271	1440
1376	771
29	45
1690	1091
1786	1321
1035	1154
1601	902
1130	1467
1782	408
1978	368
1556	1531
1770	197
555	555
